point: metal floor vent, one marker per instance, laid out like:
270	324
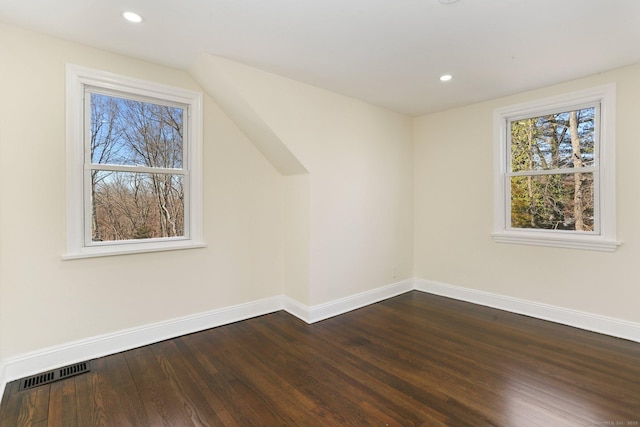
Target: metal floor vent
55	375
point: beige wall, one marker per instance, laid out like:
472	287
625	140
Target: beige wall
45	301
360	183
296	238
454	208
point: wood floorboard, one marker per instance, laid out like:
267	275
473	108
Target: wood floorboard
413	360
536	376
194	394
33	407
415	376
62	404
290	404
162	403
318	377
334	364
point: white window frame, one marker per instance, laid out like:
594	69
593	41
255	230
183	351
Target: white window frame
79	244
603	238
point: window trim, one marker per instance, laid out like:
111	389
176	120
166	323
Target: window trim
77	79
605	239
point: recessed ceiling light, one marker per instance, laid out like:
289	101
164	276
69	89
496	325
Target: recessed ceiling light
445	77
448	1
132	17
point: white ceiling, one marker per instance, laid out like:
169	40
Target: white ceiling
386	52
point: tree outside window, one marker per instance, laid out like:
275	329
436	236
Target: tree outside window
552	170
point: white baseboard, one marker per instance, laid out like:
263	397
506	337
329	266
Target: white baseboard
3	381
54	357
579	319
91	348
296	308
324	311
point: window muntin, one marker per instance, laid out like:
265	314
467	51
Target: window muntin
553	170
118	184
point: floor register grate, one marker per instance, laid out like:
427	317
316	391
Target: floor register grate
55	375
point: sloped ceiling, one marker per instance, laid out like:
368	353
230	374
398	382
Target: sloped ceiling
213	75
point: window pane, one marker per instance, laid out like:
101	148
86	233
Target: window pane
553	202
129	132
127	205
554	141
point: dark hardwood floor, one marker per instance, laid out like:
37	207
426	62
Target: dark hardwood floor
416	359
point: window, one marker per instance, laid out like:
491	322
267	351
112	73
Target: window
134	167
554	177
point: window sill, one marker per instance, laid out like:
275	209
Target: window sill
135	248
584	242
